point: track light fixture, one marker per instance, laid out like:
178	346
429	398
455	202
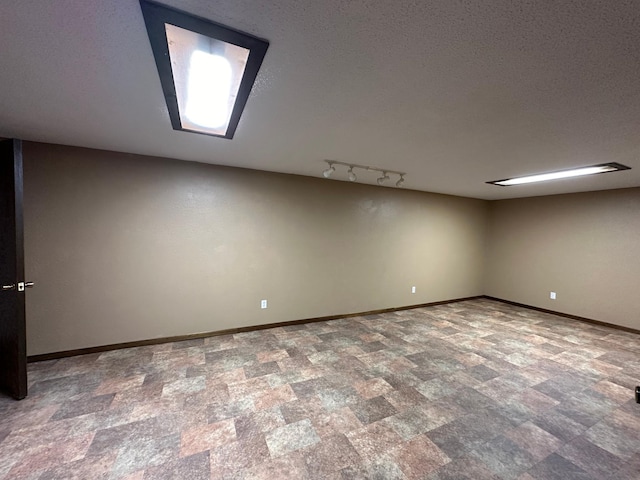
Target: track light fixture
383	178
327	173
351	175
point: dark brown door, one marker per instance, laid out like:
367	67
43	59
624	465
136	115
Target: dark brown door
13	334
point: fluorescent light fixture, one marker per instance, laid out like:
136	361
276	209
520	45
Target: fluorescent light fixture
206	70
576	172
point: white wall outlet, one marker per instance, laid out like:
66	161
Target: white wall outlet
552	295
413	289
263	304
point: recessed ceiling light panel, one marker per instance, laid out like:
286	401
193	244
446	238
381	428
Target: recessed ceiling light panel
575	172
206	70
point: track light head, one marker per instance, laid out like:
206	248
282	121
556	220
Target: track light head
352	175
383	178
400	182
327	173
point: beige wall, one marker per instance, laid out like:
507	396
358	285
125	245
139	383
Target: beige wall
126	248
585	247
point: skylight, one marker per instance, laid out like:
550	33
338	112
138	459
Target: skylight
206	70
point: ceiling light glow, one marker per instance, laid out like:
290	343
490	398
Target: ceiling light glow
576	172
208	90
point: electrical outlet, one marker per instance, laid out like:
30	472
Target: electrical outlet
263	304
552	295
413	289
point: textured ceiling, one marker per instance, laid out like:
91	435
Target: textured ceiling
454	92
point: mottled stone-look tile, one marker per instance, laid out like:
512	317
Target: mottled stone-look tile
85	468
221	411
341	420
117	384
275	397
382	468
405	397
492	386
310	408
418	457
122	435
137	395
469	400
464	468
372	410
288	466
234	375
466	433
374	440
272	355
501	388
415	421
534	401
333	453
36	416
400	364
260	369
254	424
139	475
613	391
535	440
554	467
591	458
208	436
308	388
505	457
629	470
373	388
184	386
248	388
438	388
470	359
82	407
228	461
621	439
588	407
559	425
334	398
294	363
142	453
482	372
193	467
50	455
291	437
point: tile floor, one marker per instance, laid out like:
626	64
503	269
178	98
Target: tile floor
471	390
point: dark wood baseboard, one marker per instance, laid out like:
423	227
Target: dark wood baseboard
565	315
231	331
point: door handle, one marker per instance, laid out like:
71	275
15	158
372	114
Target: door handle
8	287
23	285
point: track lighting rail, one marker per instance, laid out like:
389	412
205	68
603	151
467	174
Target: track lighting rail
352	175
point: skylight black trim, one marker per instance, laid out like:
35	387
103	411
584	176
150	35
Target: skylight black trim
157	15
618	167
